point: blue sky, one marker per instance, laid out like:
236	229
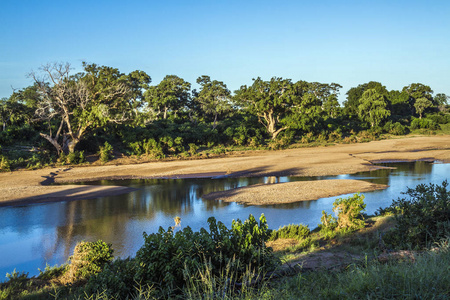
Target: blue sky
347	42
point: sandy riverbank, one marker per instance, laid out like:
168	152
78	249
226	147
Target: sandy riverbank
289	192
30	186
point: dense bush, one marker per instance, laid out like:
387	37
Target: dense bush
106	152
395	128
291	231
4	164
424	123
167	256
88	259
349	214
422	218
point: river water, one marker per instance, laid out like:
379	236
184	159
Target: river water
32	236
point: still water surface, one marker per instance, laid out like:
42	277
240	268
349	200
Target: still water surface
33	235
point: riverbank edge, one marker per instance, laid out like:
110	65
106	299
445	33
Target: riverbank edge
316	161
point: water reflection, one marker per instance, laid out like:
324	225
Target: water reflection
33	235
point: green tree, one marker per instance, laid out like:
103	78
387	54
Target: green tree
170	95
11	112
372	107
401	104
269	100
441	99
73	105
421	104
331	106
418	91
354	95
213	98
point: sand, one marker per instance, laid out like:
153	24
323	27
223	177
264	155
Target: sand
289	192
25	186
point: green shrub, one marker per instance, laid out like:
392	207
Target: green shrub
52	272
193	148
106	152
349	214
167	256
116	280
422	219
291	231
88	259
4	164
395	128
424	123
153	149
76	157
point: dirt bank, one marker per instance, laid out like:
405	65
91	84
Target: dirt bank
289	192
317	161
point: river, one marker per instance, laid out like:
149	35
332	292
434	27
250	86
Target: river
32	236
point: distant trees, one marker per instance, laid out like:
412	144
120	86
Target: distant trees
214	98
372	107
351	105
269	100
420	96
73	105
102	104
170	95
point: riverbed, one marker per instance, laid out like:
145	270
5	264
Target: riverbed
32	236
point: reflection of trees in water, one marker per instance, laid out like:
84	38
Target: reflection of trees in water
299	204
104	219
382	176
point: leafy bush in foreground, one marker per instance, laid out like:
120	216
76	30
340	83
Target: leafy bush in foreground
88	259
422	219
167	256
349	212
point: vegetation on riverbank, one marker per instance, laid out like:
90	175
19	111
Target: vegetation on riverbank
366	259
101	114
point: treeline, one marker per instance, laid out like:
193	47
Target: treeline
68	116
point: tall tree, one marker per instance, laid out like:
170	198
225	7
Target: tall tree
354	95
213	97
421	104
372	107
73	105
269	100
421	91
170	95
441	99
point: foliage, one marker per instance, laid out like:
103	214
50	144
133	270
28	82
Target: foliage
372	107
159	260
421	105
424	123
88	259
52	272
170	95
4	164
106	152
268	100
116	280
349	214
291	231
422	218
395	128
81	111
213	98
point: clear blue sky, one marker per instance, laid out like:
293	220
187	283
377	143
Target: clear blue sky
347	42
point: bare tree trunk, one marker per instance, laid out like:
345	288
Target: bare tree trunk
53	141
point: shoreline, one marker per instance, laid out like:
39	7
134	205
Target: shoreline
34	186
